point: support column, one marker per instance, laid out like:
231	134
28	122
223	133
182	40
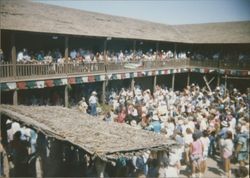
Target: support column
0	39
154	82
66	96
188	79
175	53
132	84
5	166
39	168
218	80
15	98
157	50
103	99
225	81
66	53
13	53
105	55
134	48
100	166
173	81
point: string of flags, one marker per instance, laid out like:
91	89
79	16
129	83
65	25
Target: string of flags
21	85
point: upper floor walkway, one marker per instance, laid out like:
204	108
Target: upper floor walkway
17	72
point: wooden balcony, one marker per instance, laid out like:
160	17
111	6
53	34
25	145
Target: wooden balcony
10	72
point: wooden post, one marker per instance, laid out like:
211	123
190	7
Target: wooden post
134	48
132	84
66	53
0	39
13	53
173	81
175	53
103	91
188	79
218	80
39	168
225	81
157	50
154	82
5	166
100	166
105	55
15	98
66	96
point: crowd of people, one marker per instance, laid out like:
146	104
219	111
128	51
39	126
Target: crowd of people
204	123
81	55
89	56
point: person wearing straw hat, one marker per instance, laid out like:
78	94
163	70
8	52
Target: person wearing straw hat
93	103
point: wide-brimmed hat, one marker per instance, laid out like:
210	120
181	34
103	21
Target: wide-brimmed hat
94	93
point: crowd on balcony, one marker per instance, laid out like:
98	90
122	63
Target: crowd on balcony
88	56
81	55
240	57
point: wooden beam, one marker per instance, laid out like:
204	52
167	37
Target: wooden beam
218	80
134	49
207	84
103	91
0	39
39	168
100	166
105	51
157	50
15	98
240	78
66	52
175	53
132	84
154	82
211	80
173	81
5	166
188	79
13	53
225	81
66	96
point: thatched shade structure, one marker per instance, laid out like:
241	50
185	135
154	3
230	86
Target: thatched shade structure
98	138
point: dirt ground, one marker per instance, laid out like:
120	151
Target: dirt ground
214	169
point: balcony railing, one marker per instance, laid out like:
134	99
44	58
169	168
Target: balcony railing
33	71
220	64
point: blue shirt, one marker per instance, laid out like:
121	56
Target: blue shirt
155	126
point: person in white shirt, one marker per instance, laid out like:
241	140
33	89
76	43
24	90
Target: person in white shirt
20	56
93	103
